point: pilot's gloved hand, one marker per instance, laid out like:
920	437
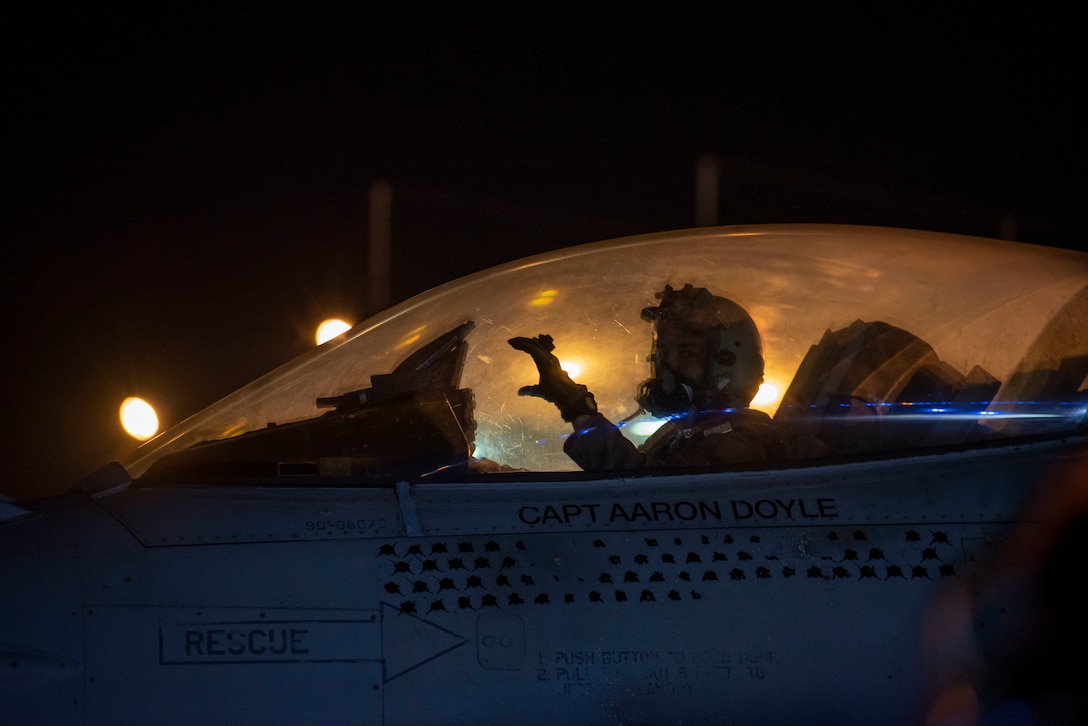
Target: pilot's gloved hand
572	399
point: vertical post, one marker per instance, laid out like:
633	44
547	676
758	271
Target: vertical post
379	246
706	191
1007	227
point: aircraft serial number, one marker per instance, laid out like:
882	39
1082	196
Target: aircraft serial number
343	525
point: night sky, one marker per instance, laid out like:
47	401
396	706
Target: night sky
187	192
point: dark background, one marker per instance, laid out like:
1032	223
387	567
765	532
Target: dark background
186	191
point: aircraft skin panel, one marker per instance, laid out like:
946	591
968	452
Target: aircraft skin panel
41	634
540	601
233	515
903	489
246	665
537	601
613	641
823	591
646	665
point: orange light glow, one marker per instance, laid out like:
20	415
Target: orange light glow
572	369
544	298
138	418
329	329
767	397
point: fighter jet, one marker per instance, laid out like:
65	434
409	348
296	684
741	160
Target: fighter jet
399	527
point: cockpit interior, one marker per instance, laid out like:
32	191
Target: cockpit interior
876	342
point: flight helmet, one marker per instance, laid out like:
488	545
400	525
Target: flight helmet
732	370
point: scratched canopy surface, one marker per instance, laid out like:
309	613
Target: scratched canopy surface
965	334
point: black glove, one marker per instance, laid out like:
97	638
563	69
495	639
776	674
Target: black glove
572	399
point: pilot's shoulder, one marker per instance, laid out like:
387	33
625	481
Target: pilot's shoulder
750	415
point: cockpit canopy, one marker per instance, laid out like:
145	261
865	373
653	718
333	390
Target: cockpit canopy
876	341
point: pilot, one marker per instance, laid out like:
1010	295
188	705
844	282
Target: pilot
707	364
